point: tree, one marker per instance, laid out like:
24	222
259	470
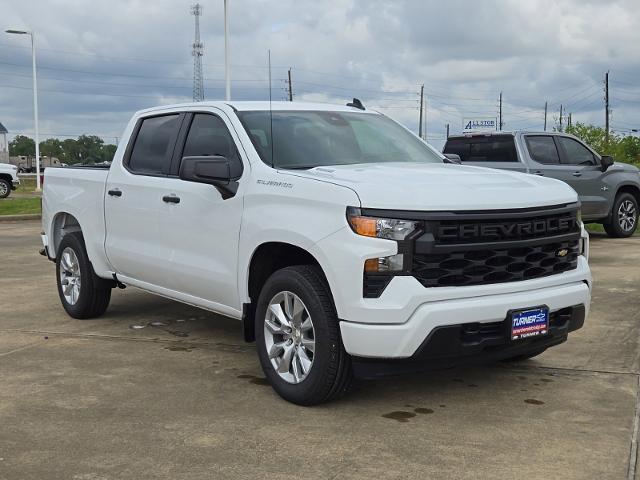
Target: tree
623	149
90	148
51	147
108	151
22	146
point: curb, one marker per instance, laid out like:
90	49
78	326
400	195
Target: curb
17	218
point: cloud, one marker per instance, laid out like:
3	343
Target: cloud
99	61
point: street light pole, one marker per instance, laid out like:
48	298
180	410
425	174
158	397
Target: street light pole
35	99
227	77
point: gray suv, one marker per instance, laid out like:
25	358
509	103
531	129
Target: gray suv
609	192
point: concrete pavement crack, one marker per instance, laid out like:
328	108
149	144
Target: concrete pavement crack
633	448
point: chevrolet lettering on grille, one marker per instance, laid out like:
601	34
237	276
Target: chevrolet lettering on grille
507	230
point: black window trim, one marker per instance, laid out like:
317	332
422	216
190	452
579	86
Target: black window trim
553	139
182	141
134	137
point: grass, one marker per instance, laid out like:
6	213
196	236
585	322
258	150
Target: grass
27	185
19	206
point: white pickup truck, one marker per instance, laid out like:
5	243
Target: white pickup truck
8	179
344	243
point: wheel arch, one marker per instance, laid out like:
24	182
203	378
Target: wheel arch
630	188
62	224
267	258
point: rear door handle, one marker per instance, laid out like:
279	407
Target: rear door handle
577	174
171	199
115	193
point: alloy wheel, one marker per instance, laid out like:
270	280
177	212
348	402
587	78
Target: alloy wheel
627	215
289	337
70	277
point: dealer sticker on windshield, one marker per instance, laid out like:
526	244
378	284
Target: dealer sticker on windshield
529	323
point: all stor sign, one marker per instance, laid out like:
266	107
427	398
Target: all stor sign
478	124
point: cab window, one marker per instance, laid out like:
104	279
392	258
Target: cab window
543	149
153	145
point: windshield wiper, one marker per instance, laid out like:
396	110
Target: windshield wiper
297	167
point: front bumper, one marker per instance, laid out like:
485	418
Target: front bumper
14	184
405	339
472	344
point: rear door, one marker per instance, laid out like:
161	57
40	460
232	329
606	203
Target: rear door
135	208
492	151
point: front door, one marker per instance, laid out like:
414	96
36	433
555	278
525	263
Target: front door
203	229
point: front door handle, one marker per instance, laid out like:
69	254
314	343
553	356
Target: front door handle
171	199
577	174
539	173
115	193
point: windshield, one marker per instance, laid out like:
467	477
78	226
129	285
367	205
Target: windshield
308	139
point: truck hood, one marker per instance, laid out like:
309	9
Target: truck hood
411	186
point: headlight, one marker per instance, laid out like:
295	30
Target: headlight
389	228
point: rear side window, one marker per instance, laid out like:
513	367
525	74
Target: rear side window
575	153
543	149
153	147
492	148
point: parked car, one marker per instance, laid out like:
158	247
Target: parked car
609	192
8	179
343	243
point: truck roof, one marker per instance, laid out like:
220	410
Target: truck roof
261	106
504	132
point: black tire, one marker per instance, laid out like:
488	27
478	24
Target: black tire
331	374
526	356
94	292
5	188
615	228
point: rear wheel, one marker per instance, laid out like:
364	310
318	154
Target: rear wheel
624	216
298	337
5	188
83	294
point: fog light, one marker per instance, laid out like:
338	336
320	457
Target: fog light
394	263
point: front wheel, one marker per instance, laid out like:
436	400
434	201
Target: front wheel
83	294
5	188
298	337
624	217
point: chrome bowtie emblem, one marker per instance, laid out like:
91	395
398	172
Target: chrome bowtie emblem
563	252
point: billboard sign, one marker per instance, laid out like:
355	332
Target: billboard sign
478	124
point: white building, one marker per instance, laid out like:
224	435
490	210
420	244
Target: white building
4	145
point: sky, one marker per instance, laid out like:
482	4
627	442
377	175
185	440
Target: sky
100	61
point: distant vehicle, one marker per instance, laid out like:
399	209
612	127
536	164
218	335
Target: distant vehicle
28	164
343	243
8	179
609	192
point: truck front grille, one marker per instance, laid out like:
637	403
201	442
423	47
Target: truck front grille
461	249
495	265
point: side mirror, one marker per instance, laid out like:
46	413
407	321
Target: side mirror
452	158
605	162
212	170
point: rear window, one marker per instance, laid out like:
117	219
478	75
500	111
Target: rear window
493	148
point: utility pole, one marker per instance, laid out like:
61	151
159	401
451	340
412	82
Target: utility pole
560	117
545	116
500	121
290	87
447	130
606	107
421	105
569	120
227	72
